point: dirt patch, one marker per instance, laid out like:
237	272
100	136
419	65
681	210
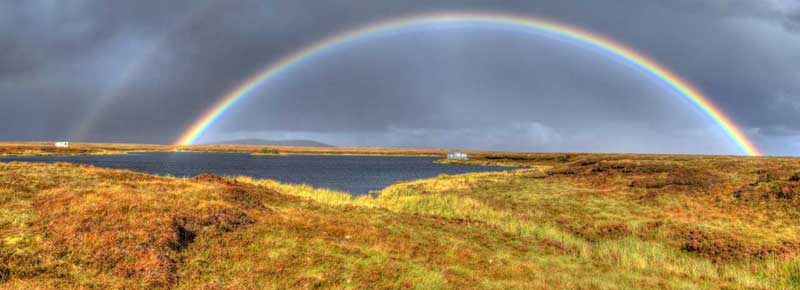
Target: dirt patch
5	274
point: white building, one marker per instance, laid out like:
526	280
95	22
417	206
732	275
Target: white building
62	144
456	155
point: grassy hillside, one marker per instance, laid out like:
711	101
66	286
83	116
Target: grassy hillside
575	221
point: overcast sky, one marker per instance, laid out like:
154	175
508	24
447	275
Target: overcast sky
143	71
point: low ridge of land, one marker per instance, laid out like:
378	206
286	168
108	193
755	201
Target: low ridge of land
48	149
566	221
294	143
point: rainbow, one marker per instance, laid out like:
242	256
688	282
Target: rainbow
538	25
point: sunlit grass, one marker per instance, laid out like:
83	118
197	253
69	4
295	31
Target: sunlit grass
617	222
471	197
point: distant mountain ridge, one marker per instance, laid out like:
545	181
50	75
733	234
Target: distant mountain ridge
303	143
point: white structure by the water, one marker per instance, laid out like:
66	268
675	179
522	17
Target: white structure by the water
62	144
456	155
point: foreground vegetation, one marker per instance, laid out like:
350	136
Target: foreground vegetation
574	221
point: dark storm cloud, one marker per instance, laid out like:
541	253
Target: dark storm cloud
780	12
448	79
64	61
793	19
57	57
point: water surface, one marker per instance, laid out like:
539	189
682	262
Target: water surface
354	174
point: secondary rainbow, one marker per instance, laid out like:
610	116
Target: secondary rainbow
650	66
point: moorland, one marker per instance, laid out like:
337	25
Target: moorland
563	221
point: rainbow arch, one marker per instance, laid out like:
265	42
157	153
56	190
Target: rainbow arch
569	32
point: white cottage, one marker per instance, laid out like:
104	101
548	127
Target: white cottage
62	144
457	155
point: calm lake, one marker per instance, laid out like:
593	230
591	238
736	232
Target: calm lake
354	174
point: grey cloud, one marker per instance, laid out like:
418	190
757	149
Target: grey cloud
65	63
792	20
781	131
781	12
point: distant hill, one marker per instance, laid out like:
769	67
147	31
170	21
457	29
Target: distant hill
303	143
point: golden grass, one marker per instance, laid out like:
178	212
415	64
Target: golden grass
568	221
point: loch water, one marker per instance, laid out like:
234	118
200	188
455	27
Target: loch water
355	174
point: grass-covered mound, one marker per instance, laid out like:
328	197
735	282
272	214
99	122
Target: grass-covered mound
570	221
